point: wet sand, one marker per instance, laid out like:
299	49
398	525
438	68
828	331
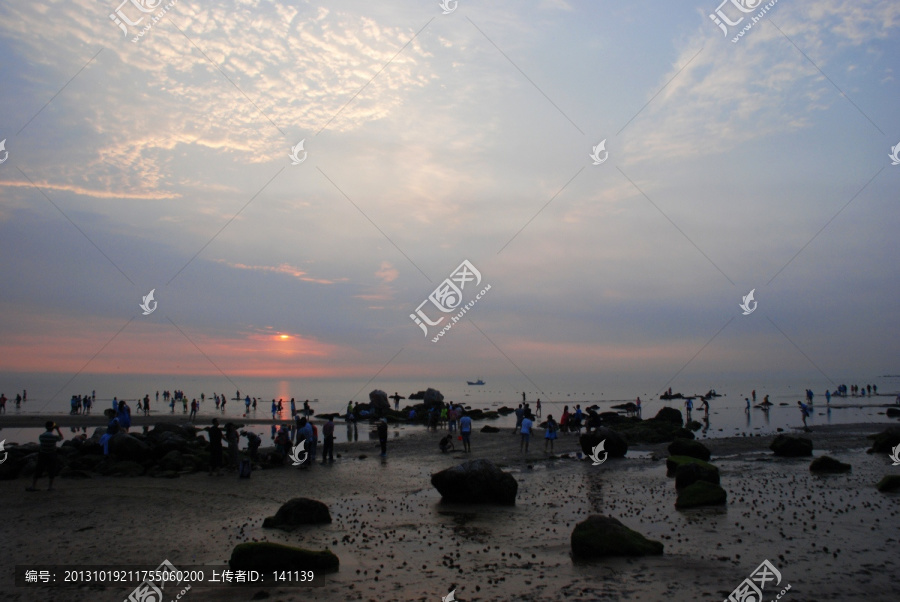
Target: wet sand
832	538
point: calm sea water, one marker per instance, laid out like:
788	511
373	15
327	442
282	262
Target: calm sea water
50	394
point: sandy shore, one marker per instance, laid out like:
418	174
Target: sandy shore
832	538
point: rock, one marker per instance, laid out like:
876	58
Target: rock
88	462
693	426
185	431
298	511
690	472
615	444
670	415
489	429
701	493
889	483
503	411
828	464
165	474
885	441
489	415
378	401
127	447
476	482
265	557
610	417
788	446
173	460
126	468
68	473
673	462
603	536
893	412
690	448
432	397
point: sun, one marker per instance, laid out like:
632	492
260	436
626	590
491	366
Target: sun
284	337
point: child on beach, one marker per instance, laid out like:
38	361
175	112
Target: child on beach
550	433
446	444
465	430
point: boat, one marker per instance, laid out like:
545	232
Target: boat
477	383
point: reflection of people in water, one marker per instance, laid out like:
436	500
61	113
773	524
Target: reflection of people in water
706	422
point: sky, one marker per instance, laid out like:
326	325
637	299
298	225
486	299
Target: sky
161	160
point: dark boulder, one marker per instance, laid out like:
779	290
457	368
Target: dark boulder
828	464
889	483
126	469
673	462
489	429
603	536
614	443
186	431
296	512
885	441
893	412
266	557
690	448
432	397
610	417
378	401
699	494
476	482
788	446
128	447
670	415
690	472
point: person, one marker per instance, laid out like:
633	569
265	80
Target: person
315	441
328	437
452	417
382	436
282	441
537	406
233	438
46	460
293	407
444	417
465	430
577	417
525	431
305	433
550	433
753	394
88	402
520	414
349	409
18	400
2	403
564	420
184	405
280	406
523	396
706	406
828	396
274	409
396	397
804	412
222	405
194	407
254	404
446	444
253	443
124	415
307	411
215	447
688	406
638	404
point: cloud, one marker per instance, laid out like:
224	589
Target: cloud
283	268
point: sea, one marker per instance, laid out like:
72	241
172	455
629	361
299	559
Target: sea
49	394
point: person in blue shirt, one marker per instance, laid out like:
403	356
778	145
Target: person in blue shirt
465	429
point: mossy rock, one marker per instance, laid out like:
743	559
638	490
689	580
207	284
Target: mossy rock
689	447
889	483
829	465
885	441
673	462
296	512
699	494
266	556
693	426
603	536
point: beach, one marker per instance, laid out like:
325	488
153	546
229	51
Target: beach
831	537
